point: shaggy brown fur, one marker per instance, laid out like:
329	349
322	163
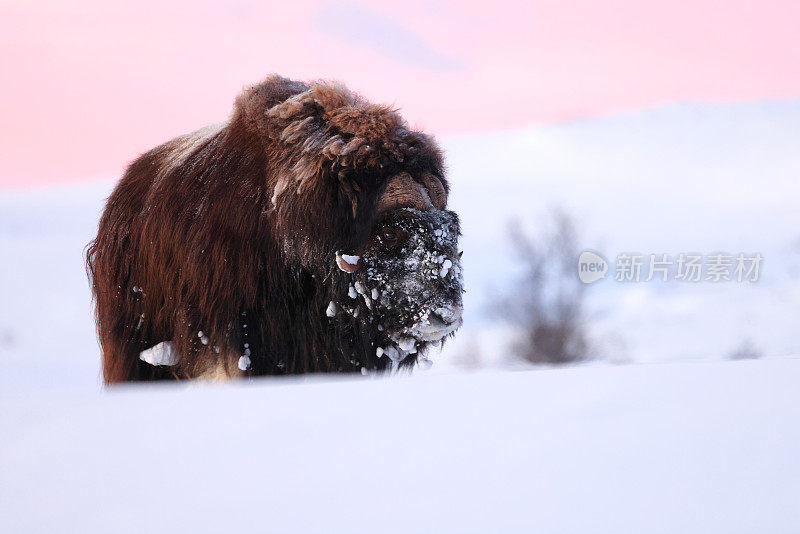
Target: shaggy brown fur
223	241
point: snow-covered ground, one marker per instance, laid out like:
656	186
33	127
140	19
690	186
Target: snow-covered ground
656	448
670	444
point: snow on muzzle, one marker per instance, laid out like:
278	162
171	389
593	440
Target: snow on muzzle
440	323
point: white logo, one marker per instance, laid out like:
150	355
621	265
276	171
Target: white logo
591	267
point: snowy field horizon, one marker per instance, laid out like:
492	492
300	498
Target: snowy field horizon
678	440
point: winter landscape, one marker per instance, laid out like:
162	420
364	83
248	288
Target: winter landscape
626	178
678	439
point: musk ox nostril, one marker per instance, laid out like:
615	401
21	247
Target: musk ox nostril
448	315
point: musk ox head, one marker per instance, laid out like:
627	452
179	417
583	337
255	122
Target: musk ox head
361	201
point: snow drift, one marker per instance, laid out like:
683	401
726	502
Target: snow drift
704	447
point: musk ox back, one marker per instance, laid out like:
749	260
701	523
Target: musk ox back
308	233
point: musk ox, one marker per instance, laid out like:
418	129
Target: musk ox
308	233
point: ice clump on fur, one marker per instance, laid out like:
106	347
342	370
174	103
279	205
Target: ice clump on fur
331	310
203	337
407	345
162	354
446	264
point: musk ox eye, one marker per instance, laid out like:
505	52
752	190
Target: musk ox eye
392	237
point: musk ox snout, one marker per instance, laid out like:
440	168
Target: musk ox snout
411	284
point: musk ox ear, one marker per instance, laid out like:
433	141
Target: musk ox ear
349	191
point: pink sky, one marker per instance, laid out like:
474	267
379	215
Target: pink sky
87	86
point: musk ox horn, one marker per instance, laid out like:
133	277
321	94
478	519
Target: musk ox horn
403	191
348	263
436	190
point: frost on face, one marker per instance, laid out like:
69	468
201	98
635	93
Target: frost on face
412	293
420	286
407	295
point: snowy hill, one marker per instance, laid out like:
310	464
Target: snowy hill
656	448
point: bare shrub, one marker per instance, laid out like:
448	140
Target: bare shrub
547	301
745	351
